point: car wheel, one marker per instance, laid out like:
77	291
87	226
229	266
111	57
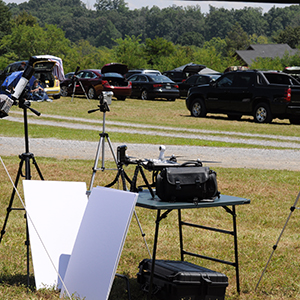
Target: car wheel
56	96
64	91
262	113
198	108
234	117
91	93
295	120
144	95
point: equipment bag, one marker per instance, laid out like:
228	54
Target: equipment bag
187	184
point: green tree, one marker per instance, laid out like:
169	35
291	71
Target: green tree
191	38
5	17
236	39
48	40
290	36
108	36
255	39
157	49
104	5
129	51
84	55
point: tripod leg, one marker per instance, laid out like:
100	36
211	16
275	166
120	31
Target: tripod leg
83	90
142	233
275	246
112	151
74	87
95	168
37	168
9	208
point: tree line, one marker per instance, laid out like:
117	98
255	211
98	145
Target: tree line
147	37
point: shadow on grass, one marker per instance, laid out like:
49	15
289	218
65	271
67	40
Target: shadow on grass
244	120
17	280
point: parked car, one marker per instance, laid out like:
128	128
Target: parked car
293	71
263	95
146	87
195	80
69	75
109	78
181	73
141	71
48	70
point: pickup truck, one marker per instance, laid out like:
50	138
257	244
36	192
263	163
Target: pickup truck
265	95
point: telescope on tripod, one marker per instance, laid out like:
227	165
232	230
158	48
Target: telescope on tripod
18	98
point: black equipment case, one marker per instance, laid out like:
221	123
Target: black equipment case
176	280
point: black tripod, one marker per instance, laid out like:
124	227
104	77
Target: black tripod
75	79
24	159
103	107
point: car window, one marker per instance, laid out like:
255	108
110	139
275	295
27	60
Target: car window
278	78
203	80
192	80
143	78
242	80
160	78
81	74
226	80
133	78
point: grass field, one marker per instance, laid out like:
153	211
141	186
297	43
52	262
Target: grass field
272	193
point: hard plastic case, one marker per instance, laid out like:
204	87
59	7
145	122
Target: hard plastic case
180	280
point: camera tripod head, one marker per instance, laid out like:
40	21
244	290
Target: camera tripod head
104	102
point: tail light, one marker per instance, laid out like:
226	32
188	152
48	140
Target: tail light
157	85
105	82
129	84
288	95
176	86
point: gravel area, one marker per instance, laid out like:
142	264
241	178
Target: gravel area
223	157
218	156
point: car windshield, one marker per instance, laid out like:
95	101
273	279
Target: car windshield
160	78
112	74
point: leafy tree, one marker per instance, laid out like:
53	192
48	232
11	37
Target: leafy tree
254	39
218	22
157	49
129	51
5	17
48	40
191	38
106	37
290	36
236	39
251	20
84	55
104	5
24	18
218	44
267	63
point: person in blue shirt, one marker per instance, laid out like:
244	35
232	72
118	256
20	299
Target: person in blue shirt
38	92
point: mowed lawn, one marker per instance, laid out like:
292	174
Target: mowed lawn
272	193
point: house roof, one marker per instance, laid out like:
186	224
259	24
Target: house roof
264	51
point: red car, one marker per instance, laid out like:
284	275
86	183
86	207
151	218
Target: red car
93	82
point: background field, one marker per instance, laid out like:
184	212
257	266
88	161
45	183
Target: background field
272	193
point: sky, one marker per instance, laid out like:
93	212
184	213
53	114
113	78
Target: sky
132	4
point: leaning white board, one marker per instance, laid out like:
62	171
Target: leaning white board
99	243
54	212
